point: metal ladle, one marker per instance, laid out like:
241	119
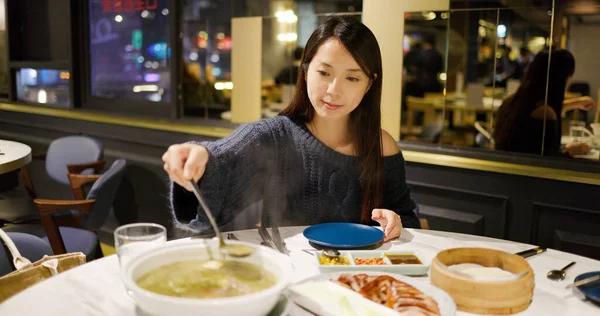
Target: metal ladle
559	275
238	251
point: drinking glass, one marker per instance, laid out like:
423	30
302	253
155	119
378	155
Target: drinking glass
576	130
133	239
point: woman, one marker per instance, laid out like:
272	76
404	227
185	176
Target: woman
520	122
323	159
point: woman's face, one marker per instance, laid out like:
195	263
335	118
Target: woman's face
335	82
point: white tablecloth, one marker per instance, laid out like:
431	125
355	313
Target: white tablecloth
96	289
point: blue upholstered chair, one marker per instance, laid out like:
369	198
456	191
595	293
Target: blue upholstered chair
71	154
94	210
30	247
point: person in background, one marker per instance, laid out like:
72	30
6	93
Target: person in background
325	158
505	68
429	64
410	59
520	121
522	63
289	75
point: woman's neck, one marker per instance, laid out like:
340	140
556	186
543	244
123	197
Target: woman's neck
334	134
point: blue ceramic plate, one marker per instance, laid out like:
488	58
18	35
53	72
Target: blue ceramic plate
343	235
590	290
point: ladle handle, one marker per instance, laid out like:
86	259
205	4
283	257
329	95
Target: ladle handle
568	266
204	206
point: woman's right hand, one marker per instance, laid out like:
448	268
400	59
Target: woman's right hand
185	162
577	148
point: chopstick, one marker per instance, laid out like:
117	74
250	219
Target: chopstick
531	252
584	281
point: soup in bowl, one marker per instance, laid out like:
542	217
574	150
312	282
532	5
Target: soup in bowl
181	279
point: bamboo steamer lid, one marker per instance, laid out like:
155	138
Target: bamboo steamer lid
484	296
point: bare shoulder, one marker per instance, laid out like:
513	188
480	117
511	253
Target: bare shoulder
390	147
542	112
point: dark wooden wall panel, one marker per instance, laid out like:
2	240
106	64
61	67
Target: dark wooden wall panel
567	229
464	211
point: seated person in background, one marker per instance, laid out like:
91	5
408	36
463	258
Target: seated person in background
522	63
289	75
505	67
429	64
520	120
325	157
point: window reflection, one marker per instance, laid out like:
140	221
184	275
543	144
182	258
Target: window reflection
206	57
129	49
425	35
207	46
46	86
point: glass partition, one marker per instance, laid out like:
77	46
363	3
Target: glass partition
281	54
579	33
206	58
207	47
425	43
470	72
523	36
490	49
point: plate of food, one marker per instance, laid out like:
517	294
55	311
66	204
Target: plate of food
407	262
370	293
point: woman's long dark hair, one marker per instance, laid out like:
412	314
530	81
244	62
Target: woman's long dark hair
365	120
532	92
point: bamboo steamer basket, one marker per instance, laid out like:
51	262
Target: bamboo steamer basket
481	296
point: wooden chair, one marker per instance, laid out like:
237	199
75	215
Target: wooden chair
484	137
71	154
65	155
424	223
94	210
415	104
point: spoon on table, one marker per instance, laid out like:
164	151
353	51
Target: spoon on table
559	275
331	253
238	251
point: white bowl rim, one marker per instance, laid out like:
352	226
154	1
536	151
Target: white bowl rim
284	279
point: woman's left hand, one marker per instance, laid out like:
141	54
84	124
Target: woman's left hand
390	223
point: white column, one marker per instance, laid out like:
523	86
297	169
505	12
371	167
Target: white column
246	66
386	19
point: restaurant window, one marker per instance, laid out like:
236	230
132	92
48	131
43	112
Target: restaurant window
44	86
130	49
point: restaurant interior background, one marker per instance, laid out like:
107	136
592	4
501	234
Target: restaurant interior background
142	75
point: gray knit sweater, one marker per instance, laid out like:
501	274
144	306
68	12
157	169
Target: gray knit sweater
300	180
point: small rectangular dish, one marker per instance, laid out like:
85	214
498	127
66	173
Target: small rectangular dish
407	262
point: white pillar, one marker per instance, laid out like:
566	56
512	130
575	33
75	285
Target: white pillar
386	19
246	67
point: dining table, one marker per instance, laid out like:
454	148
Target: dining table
593	142
13	156
96	288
